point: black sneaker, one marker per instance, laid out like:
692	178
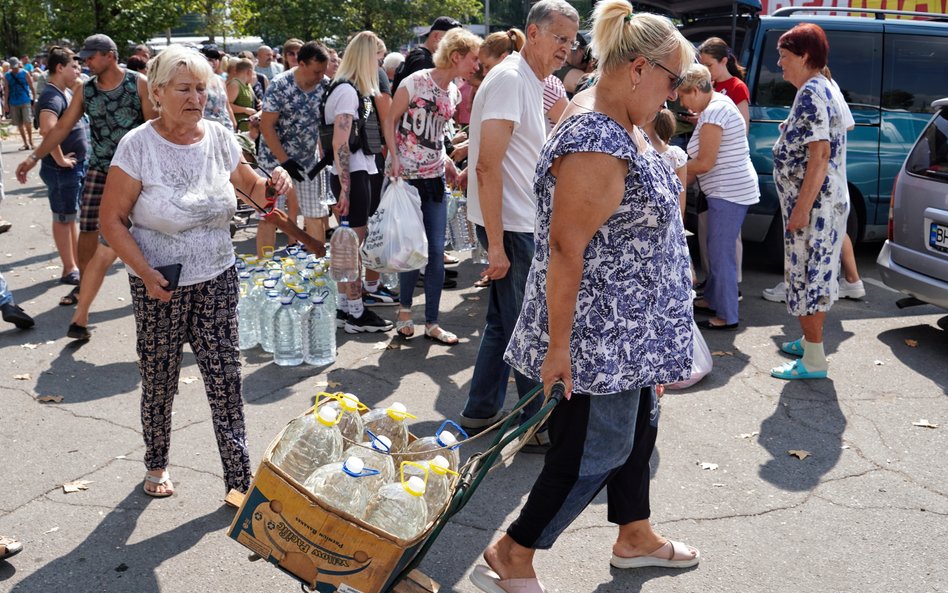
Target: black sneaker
341	317
382	297
368	322
12	313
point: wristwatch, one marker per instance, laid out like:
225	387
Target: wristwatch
33	157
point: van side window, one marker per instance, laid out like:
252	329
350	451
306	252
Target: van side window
914	74
929	158
855	61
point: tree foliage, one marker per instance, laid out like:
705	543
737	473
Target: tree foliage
21	26
335	21
125	21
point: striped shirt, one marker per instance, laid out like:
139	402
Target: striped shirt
553	90
732	177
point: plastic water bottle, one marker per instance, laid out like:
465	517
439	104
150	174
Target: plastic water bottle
443	443
461	235
438	488
390	422
344	266
287	335
320	332
266	312
377	455
350	420
310	441
342	485
399	508
247	317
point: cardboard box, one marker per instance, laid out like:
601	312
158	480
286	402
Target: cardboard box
324	549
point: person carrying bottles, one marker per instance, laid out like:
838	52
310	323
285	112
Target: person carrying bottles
609	337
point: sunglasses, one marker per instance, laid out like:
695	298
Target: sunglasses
271	194
676	79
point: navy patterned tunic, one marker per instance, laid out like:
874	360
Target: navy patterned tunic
633	320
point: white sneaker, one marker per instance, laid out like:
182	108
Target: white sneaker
777	294
851	290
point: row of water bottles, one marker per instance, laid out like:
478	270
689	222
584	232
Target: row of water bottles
287	306
459	233
362	464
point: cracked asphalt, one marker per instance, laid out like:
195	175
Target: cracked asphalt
866	511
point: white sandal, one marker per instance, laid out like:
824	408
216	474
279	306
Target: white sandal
401	324
157	481
442	335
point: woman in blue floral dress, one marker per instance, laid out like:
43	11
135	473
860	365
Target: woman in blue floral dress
607	306
811	186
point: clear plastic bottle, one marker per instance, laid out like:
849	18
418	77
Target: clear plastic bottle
342	485
310	441
344	266
319	345
438	488
389	422
266	313
399	508
443	443
377	455
347	405
247	316
287	335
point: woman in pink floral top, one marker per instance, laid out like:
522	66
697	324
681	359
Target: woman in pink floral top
414	133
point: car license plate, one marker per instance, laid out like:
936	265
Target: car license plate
938	237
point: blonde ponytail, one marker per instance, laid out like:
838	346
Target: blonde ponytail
619	36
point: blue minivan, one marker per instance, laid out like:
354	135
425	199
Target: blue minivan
890	65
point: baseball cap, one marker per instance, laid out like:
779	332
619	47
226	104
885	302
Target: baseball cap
14	62
96	43
443	23
211	52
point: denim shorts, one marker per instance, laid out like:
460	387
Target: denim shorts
65	189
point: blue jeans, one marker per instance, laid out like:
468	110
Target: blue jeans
65	190
489	383
434	213
724	225
5	295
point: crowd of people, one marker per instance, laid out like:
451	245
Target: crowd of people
588	284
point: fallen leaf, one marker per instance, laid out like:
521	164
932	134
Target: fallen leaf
718	485
120	457
188	380
799	453
748	435
30	346
380	346
474	298
330	384
878	363
23	377
911	343
52	530
708	466
393	346
722	353
120	298
924	423
46	399
76	486
51	268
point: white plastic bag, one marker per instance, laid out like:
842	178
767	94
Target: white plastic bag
700	365
395	239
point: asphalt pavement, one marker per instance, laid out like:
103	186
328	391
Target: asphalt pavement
864	510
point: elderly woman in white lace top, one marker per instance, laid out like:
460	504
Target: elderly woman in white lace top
169	200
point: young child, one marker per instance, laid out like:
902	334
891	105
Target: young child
660	130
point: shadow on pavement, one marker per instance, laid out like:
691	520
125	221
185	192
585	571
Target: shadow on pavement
80	381
104	561
927	356
807	418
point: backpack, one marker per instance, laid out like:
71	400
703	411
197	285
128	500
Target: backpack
365	134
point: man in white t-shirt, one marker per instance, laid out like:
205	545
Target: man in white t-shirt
507	132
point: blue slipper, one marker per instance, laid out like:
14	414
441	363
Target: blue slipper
795	370
795	347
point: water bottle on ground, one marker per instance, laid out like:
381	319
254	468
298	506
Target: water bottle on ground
309	442
342	485
287	335
390	422
344	266
247	317
377	454
347	405
320	331
399	508
266	313
443	443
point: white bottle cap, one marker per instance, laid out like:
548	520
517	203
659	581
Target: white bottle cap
349	402
383	440
354	465
327	416
439	465
447	439
397	411
415	486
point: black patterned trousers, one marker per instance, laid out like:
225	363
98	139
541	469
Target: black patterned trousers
205	316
